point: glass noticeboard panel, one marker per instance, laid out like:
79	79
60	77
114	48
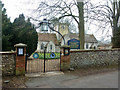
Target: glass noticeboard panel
66	51
20	51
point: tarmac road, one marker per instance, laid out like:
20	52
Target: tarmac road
102	80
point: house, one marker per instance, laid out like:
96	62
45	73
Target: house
104	46
90	40
63	28
49	40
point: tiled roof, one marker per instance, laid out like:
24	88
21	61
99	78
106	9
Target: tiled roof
89	38
48	37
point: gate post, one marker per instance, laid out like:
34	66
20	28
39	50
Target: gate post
65	57
20	58
44	56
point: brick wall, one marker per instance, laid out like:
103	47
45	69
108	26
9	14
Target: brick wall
65	59
94	57
8	63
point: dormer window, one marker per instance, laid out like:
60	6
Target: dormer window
94	47
86	46
42	46
51	47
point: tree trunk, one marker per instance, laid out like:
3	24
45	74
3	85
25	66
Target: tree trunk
116	29
81	25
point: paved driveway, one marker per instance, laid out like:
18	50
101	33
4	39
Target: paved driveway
103	80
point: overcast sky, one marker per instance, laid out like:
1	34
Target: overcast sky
16	7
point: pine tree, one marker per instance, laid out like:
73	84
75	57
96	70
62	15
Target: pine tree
24	32
6	30
20	31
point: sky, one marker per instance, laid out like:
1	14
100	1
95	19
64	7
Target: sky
16	7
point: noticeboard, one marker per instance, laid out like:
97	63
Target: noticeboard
74	44
20	51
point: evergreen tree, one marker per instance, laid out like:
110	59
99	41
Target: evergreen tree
24	32
6	30
20	31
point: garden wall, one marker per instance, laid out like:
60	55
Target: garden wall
8	63
94	57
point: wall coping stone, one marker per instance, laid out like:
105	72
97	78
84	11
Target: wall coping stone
7	52
20	45
75	51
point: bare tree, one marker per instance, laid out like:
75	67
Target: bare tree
106	13
58	9
116	27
